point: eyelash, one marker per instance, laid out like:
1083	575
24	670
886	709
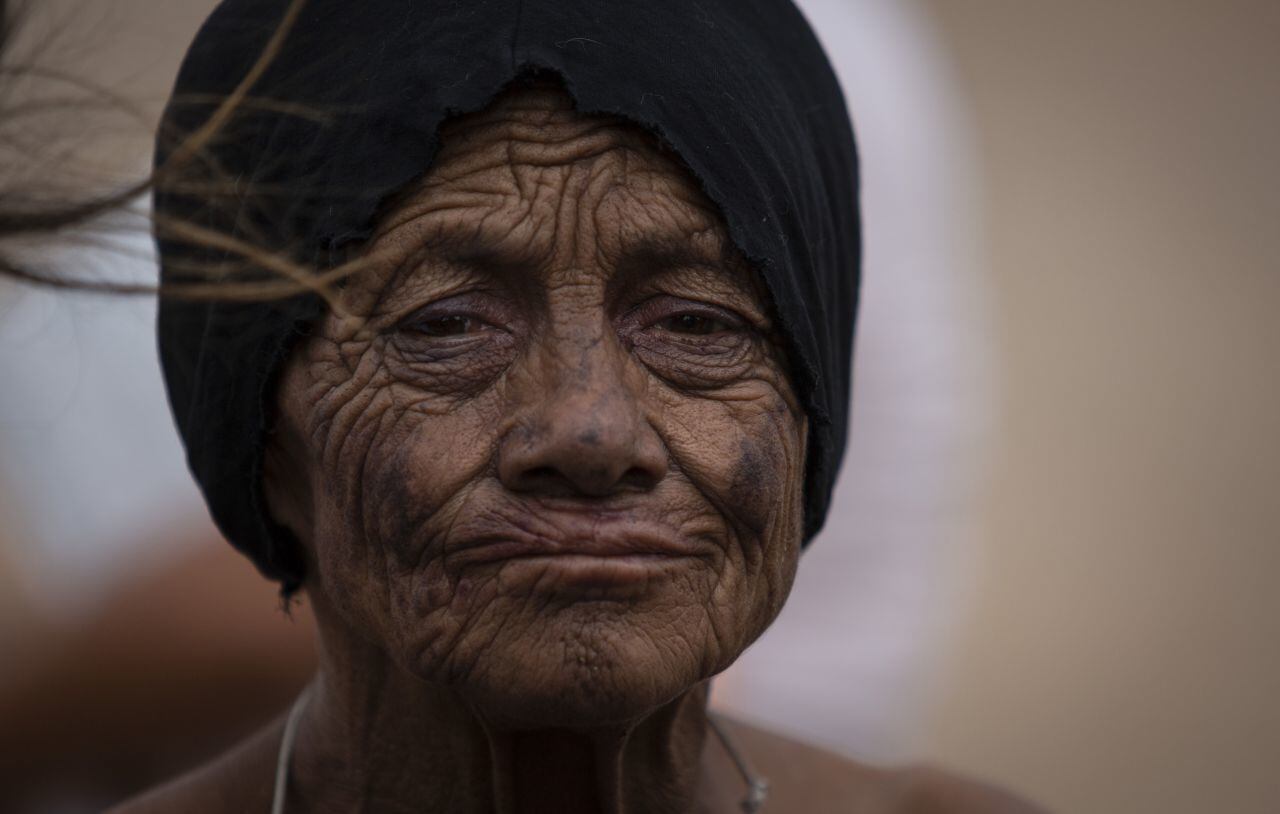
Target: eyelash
690	344
720	320
421	325
462	308
700	319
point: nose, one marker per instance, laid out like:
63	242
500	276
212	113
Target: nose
583	432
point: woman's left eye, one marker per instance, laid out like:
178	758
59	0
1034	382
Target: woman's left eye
695	324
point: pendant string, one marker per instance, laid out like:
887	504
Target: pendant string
286	751
757	786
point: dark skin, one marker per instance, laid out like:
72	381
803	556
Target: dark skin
548	470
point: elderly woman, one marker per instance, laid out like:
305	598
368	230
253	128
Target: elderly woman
545	462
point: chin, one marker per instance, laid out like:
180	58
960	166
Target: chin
587	666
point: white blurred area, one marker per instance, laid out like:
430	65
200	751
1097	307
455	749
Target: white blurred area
93	486
854	658
89	460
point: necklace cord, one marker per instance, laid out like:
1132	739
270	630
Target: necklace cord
286	751
757	786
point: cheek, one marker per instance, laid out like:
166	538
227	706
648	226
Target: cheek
745	453
424	466
389	458
756	480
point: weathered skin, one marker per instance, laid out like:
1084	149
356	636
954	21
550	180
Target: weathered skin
548	472
558	347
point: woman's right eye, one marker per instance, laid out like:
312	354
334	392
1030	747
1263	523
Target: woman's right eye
449	325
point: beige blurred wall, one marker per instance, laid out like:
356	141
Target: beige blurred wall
1123	649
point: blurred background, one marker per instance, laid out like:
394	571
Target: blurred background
1050	562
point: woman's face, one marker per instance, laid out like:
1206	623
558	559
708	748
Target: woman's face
552	460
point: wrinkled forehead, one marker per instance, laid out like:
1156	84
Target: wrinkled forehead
530	183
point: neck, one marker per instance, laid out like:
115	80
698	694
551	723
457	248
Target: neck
376	739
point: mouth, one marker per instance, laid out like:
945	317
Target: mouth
582	577
589	552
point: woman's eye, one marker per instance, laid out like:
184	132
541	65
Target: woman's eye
452	325
696	324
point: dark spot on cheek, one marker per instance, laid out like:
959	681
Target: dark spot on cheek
393	515
754	488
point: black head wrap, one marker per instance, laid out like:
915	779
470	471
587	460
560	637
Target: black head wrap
347	114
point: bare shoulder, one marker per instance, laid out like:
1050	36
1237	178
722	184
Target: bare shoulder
929	790
242	780
808	778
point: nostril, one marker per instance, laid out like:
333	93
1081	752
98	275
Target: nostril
638	477
548	481
567	481
541	475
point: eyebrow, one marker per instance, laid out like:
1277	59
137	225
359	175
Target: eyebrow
640	258
474	250
668	251
654	254
463	252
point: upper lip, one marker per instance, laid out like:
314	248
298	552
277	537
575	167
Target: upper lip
539	532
